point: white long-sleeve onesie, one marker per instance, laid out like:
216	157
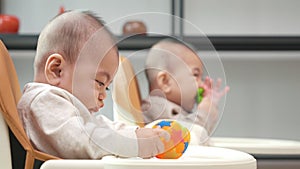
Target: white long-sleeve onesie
57	123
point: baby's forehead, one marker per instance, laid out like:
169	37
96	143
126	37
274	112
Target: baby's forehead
186	54
175	56
178	49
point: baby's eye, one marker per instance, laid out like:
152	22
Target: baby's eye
197	75
101	84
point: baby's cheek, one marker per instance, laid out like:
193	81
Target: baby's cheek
93	97
198	81
188	102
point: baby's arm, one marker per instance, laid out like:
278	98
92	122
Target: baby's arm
148	139
69	131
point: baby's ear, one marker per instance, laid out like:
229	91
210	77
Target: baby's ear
163	81
53	69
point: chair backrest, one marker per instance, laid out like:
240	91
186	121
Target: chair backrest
10	94
126	95
5	155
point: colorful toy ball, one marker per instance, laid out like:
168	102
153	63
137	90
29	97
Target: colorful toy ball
179	141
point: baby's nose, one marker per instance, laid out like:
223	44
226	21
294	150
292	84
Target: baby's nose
102	96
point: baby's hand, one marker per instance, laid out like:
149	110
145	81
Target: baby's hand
212	91
208	112
149	141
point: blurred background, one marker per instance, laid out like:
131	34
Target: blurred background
264	98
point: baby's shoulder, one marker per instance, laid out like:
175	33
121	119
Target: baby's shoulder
44	91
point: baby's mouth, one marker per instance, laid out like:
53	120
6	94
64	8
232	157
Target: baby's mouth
100	105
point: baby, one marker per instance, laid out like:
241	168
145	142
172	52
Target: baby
174	73
76	60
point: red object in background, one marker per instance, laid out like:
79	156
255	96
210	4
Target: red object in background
9	24
61	9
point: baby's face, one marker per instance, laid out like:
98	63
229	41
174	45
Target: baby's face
196	67
189	79
92	79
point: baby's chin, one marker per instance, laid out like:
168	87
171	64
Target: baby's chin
94	110
189	107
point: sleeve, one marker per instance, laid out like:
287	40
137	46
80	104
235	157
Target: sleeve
71	132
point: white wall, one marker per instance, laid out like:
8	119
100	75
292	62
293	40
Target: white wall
242	17
264	99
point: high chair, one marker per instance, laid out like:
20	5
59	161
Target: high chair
127	108
10	94
126	94
269	153
5	155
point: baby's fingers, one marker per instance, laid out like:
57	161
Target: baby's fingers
218	85
208	82
207	86
159	147
162	134
226	89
